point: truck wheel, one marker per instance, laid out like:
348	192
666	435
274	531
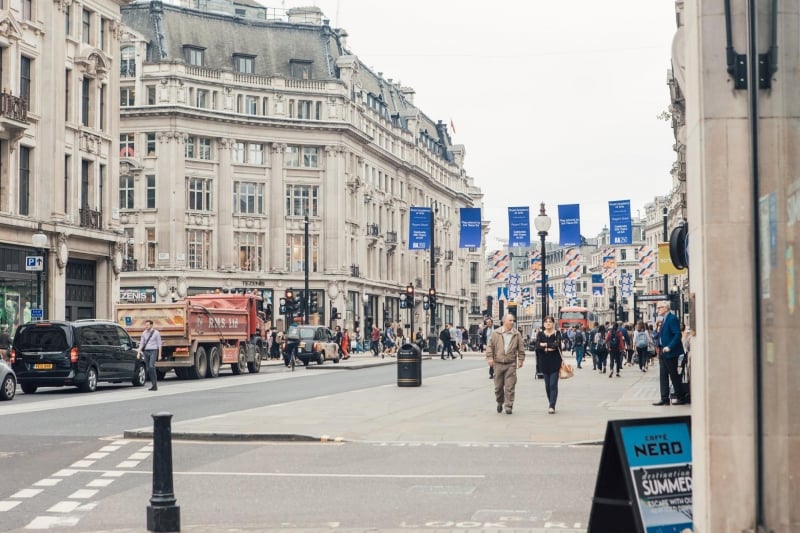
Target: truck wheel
239	366
198	371
214	362
255	366
321	358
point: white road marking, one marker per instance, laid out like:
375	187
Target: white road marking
64	507
49	482
113	473
128	464
122	442
321	475
148	448
96	455
110	448
83	494
46	522
66	472
82	464
139	456
100	483
27	493
7	505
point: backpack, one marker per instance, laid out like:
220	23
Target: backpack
579	338
293	333
641	339
613	342
600	344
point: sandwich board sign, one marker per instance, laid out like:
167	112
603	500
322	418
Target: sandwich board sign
644	483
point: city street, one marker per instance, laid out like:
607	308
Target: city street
337	447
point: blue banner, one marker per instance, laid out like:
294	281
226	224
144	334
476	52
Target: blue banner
519	226
569	225
470	228
597	284
419	230
619	212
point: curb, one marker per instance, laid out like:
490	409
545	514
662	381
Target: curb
235	437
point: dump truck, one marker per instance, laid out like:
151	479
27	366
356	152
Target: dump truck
200	334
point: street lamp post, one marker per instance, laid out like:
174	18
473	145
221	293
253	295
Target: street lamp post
410	303
542	225
39	241
433	338
307	293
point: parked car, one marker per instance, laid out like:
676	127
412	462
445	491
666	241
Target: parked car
80	353
316	344
8	382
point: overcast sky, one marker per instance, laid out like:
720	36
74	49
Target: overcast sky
555	102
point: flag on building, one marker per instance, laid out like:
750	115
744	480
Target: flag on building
609	262
647	262
573	260
535	259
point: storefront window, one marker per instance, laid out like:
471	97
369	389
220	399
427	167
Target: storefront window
18	287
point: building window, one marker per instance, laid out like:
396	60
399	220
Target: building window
295	252
623	254
251	105
199	194
194	56
255	153
250	249
86	26
27	9
189	148
305	156
152	246
199	248
300	69
25	79
24	180
248	198
126	192
126	144
244	64
127	96
68	20
86	87
67	95
302	200
151	144
473	272
151	94
103	23
204	148
102	111
150	193
239	152
127	62
201	98
304	108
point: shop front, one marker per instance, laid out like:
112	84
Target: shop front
19	287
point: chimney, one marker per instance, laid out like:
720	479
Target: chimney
305	15
408	94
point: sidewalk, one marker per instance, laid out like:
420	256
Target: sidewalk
456	408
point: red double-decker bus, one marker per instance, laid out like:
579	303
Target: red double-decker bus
571	316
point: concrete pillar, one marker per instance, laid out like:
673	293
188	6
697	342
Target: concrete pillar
277	212
225	244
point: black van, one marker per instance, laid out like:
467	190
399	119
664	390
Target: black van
80	353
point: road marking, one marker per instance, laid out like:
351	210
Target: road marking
83	494
27	493
128	464
139	456
7	505
110	448
96	455
66	472
46	522
49	482
321	475
82	464
113	473
100	483
64	507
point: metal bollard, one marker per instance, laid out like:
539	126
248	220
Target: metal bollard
163	514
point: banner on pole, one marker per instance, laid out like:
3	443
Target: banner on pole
609	262
470	228
569	225
419	231
519	226
597	284
620	214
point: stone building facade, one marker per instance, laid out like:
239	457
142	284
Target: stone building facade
58	159
239	130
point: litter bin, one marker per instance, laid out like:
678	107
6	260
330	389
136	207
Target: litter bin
409	366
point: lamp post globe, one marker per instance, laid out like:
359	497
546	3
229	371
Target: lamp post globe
542	225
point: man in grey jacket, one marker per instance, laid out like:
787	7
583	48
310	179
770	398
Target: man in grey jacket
505	352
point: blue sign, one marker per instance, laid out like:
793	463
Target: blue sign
37	314
128	321
659	457
620	214
569	225
419	231
470	228
597	284
519	226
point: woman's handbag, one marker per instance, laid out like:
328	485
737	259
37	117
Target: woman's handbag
566	371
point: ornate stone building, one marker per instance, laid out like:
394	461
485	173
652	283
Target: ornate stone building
58	159
243	132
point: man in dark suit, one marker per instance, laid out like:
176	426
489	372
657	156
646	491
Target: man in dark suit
671	350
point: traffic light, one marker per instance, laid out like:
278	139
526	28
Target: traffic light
432	297
425	303
313	306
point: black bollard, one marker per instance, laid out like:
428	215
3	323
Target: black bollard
163	514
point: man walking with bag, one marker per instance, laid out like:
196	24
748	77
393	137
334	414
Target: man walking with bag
150	347
505	352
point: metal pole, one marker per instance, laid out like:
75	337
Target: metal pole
542	235
666	239
163	514
306	293
432	337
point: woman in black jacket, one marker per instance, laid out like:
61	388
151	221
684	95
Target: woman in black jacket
548	354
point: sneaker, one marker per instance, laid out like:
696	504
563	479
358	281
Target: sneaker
499	407
617	375
611	374
508	410
552	410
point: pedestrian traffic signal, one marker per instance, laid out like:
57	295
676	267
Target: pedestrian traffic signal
313	307
426	303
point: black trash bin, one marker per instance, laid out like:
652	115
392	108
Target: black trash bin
409	366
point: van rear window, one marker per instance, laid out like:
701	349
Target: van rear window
41	339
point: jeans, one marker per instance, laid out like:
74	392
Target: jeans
616	358
551	388
579	354
642	354
446	345
150	357
289	353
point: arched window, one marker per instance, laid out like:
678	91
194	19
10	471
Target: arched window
127	64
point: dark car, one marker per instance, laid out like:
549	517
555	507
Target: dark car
80	353
316	344
8	382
